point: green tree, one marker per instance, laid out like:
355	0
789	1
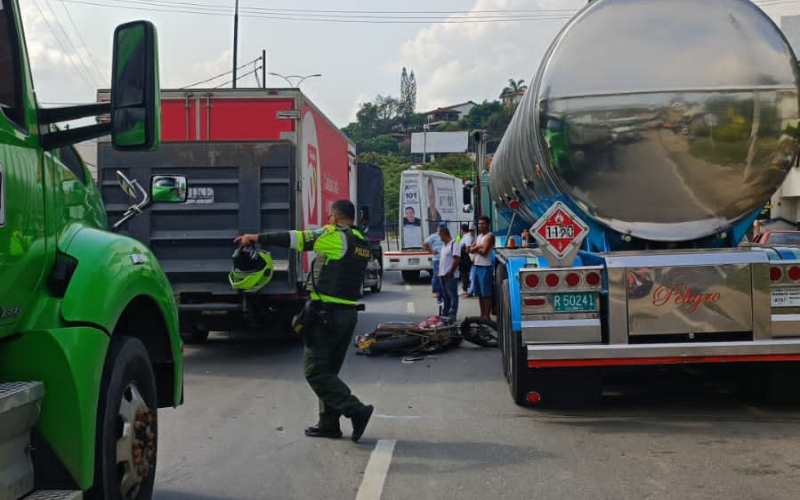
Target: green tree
408	99
514	86
490	116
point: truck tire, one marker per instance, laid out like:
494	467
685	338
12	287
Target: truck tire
512	350
410	275
376	288
127	396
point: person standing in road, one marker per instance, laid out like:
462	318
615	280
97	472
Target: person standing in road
448	273
433	244
481	252
465	265
333	286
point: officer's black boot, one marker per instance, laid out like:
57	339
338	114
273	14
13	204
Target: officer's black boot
316	431
360	420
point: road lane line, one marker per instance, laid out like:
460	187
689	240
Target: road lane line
410	307
377	467
408	287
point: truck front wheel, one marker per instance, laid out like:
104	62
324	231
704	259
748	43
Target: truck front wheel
127	429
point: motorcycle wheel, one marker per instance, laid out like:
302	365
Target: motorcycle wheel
480	331
394	341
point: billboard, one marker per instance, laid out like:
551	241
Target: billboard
439	142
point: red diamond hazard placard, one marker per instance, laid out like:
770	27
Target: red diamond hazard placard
560	231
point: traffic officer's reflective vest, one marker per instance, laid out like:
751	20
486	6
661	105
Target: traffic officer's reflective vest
339	280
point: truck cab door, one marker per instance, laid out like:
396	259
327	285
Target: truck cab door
23	249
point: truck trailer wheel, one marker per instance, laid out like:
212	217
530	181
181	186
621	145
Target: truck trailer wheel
410	275
376	288
196	336
127	427
513	367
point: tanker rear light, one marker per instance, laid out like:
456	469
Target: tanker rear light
778	273
572	280
532	281
533	397
395	260
552	280
537	301
593	278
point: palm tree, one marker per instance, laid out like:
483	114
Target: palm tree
514	86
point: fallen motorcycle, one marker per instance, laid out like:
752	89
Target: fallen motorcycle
431	335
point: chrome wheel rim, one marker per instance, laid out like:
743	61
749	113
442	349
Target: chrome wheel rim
136	442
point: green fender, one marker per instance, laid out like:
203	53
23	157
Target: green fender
113	270
69	361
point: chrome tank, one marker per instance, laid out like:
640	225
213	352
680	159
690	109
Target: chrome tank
663	120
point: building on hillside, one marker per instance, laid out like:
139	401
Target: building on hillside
448	113
511	99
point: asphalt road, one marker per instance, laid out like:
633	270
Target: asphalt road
445	427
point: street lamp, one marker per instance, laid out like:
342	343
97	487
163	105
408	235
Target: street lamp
301	78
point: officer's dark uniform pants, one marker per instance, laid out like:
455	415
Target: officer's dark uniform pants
323	357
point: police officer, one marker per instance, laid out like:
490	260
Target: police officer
333	286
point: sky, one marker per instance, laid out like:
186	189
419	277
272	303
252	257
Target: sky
459	50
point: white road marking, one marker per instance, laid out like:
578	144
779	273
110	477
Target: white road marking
375	474
410	307
408	287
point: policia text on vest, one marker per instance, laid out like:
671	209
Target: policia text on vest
329	318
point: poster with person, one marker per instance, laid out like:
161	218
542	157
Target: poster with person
412	224
443	204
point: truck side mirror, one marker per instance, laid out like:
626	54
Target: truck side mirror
135	89
168	188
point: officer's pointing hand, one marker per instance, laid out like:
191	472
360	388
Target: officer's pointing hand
246	239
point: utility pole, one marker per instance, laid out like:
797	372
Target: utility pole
264	69
235	39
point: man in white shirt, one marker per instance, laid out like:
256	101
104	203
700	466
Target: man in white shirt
448	273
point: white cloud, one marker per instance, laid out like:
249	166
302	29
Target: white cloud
473	61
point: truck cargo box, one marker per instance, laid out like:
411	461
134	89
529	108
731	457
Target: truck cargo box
256	161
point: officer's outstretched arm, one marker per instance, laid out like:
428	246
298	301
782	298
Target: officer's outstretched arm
296	240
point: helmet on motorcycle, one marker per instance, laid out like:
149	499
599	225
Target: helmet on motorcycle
252	269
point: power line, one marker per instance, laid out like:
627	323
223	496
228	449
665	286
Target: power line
69	40
184	8
66	52
221	74
239	77
78	32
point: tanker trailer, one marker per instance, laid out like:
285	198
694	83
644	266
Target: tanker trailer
650	138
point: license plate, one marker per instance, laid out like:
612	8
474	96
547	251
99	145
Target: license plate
785	298
413	261
575	302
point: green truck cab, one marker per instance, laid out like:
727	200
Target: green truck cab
89	339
